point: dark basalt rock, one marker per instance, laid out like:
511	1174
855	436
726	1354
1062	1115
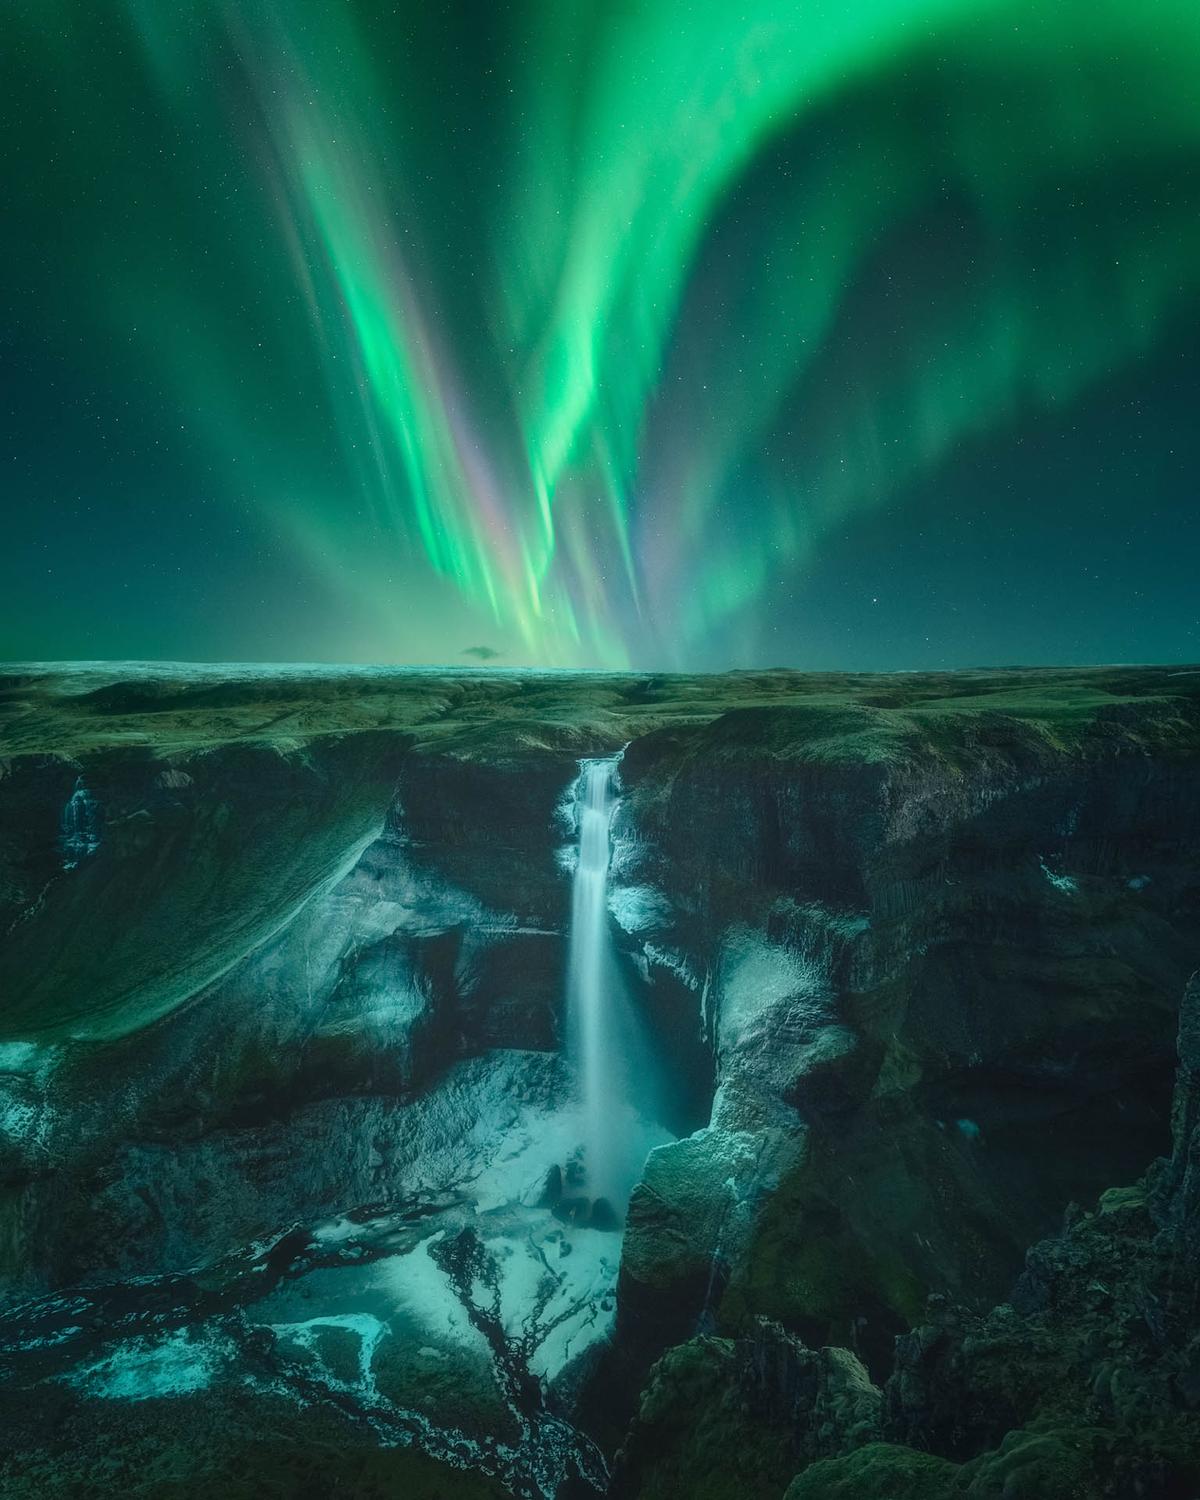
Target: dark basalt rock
966	939
197	859
1176	1186
725	1417
1086	1382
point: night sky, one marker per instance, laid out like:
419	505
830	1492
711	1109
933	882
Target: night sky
823	333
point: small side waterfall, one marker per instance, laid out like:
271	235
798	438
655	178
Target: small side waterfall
615	1072
80	832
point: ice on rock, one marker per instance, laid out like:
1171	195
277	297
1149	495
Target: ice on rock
178	1364
638	908
758	978
1064	883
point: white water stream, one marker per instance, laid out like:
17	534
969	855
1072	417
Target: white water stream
616	1077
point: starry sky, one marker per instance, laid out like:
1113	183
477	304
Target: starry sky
851	334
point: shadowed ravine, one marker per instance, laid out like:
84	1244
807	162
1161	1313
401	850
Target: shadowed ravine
492	1110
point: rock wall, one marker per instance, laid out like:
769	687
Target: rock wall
940	988
441	941
1085	1382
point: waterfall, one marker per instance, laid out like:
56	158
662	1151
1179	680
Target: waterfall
613	1067
80	831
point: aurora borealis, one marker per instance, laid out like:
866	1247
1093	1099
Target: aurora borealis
648	333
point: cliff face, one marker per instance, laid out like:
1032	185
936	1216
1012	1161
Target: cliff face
289	951
940	987
271	1093
131	881
1086	1381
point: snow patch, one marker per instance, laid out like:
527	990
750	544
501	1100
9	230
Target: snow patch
368	1330
139	1369
422	1295
636	908
18	1057
1063	883
757	975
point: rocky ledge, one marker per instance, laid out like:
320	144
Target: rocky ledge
1084	1383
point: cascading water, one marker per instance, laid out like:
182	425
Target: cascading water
80	836
590	976
615	1072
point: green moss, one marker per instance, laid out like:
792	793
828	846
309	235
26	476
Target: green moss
460	1392
698	1435
1045	1463
1068	1464
78	710
804	1266
1123	1199
879	1472
218	1446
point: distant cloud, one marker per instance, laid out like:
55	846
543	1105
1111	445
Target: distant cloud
484	653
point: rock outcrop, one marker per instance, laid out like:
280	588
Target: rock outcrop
721	1417
1086	1382
938	964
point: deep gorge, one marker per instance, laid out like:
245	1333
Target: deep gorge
292	1184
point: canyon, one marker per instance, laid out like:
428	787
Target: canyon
498	1083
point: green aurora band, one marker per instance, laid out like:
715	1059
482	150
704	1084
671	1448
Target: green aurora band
602	315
